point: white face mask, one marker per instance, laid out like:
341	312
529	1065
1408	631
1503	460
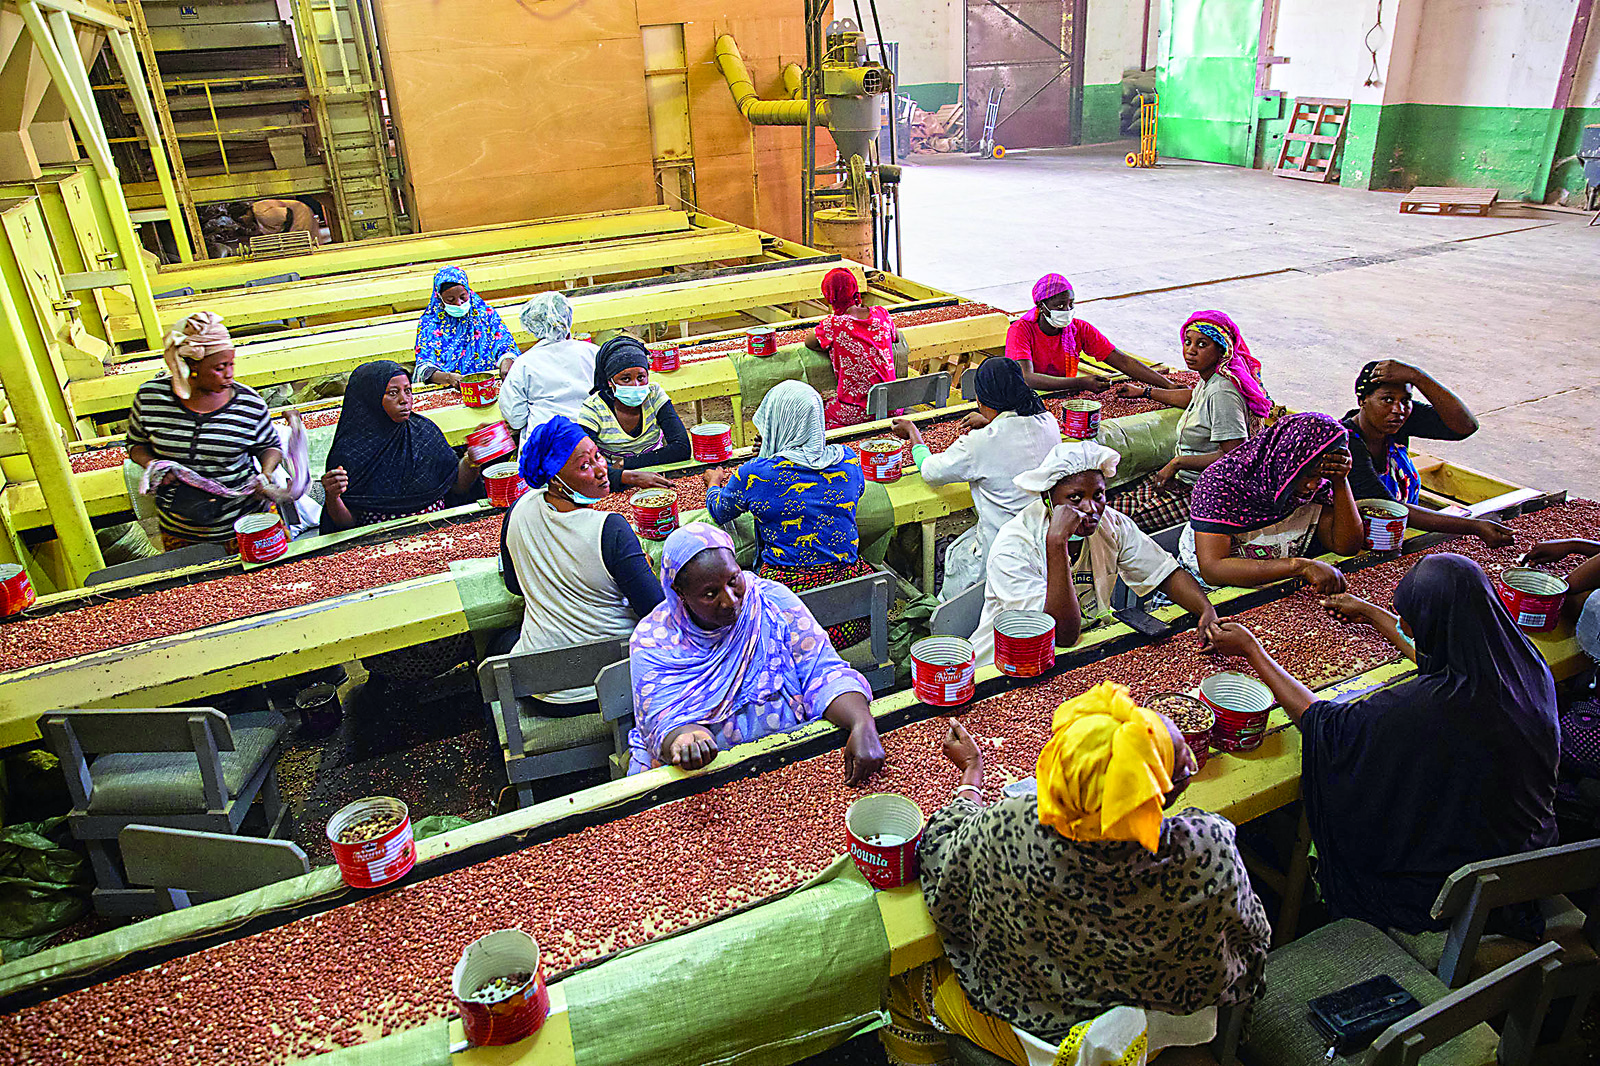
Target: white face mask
631	395
1058	319
458	310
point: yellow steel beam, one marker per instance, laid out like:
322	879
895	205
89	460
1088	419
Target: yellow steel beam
309	354
410	288
133	76
441	247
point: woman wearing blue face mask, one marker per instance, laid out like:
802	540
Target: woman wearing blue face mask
460	334
630	416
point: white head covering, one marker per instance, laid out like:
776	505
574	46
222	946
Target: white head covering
792	427
548	316
1065	460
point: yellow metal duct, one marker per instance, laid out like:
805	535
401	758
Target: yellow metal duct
764	112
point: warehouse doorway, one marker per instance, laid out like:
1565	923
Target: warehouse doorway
1030	54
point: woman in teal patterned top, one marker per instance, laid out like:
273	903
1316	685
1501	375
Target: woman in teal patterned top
802	493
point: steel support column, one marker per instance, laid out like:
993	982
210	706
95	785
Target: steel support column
133	77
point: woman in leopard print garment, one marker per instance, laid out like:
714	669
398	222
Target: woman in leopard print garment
1046	932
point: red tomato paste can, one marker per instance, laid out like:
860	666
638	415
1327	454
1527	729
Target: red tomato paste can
655	513
480	390
1383	524
883	830
371	840
1532	597
1080	419
261	537
761	340
490	442
16	591
1024	643
664	360
1194	720
881	459
499	988
1241	705
712	442
504	484
943	670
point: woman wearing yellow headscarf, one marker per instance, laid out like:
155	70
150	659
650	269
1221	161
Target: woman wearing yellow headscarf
1081	922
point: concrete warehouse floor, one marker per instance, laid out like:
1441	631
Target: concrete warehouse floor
1319	278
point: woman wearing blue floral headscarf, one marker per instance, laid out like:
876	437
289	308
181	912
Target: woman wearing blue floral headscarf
460	334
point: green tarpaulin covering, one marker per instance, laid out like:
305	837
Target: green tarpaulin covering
757	376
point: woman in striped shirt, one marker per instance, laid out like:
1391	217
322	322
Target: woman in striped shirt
198	416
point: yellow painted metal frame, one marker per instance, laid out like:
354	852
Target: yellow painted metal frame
441	247
409	288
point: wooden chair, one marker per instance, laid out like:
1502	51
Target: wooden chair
829	605
1549	877
175	767
1348	951
537	746
179	863
930	389
958	617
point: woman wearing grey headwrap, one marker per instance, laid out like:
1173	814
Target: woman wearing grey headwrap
551	378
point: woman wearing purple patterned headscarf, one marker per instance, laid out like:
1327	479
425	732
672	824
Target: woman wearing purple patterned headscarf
1254	511
729	657
1047	341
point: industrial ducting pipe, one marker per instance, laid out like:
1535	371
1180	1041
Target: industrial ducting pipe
761	112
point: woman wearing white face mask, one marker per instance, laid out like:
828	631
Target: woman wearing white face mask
630	416
460	334
1048	340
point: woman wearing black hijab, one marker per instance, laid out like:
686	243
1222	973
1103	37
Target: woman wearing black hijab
1455	765
631	417
387	461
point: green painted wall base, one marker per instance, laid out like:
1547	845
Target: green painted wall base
931	96
1102	114
1569	176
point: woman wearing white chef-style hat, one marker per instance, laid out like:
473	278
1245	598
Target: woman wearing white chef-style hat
1064	552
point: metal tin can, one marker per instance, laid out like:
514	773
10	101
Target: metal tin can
500	988
1532	597
1241	705
943	670
882	830
664	360
16	591
1080	419
881	459
761	341
655	513
480	390
490	442
1194	720
712	442
504	484
1383	524
1024	643
378	857
262	537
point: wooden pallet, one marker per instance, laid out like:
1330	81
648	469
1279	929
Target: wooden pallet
1301	156
278	245
1443	200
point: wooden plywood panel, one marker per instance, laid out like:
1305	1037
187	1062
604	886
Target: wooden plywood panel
542	195
439	26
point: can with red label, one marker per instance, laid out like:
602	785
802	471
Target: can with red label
16	591
712	442
1080	419
490	443
500	989
1194	720
480	390
371	841
1532	597
1383	523
1241	704
882	830
664	360
503	484
761	341
262	537
881	459
1024	643
943	670
655	513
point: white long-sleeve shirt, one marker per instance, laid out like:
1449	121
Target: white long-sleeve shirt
988	459
551	378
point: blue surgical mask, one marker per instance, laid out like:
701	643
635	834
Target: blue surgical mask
576	497
631	395
458	310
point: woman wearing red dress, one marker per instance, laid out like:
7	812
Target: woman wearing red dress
860	342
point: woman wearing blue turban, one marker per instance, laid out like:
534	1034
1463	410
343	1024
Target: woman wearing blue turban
580	572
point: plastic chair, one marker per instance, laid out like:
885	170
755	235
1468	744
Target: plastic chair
958	617
905	393
183	862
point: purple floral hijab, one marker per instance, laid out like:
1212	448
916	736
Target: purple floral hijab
770	671
1253	486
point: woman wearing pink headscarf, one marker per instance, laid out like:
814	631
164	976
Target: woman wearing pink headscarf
198	416
1048	340
1218	415
860	342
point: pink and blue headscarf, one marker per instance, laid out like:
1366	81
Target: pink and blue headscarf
770	671
471	344
1237	364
